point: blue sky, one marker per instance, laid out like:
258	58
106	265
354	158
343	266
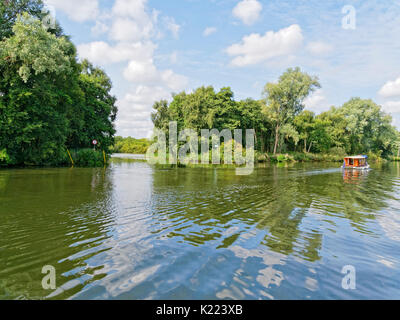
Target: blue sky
151	48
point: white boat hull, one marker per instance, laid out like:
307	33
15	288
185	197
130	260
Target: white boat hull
357	168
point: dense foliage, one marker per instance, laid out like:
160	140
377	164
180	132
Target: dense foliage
49	102
131	145
280	121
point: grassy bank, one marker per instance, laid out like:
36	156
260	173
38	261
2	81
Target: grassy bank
78	158
291	157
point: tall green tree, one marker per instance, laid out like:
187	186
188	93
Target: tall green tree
38	72
284	99
304	123
10	9
368	127
96	116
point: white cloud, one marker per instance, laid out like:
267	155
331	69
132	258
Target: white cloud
317	102
175	82
132	21
391	106
319	48
391	89
102	53
134	110
172	26
133	29
209	31
99	28
126	29
141	71
256	48
146	72
77	10
248	11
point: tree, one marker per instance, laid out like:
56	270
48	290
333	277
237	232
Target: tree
304	123
160	117
368	127
284	100
48	101
38	72
98	112
10	9
251	117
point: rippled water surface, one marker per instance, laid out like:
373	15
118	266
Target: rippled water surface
132	231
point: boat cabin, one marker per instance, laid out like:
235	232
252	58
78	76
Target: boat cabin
356	162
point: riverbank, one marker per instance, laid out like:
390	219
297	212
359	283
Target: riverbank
278	158
86	158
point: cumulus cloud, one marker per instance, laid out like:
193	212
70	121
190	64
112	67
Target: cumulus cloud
132	30
132	20
248	11
391	89
146	72
256	48
134	110
77	10
319	48
317	102
127	29
99	28
209	31
102	53
391	106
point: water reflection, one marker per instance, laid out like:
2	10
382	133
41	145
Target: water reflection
137	232
200	206
354	176
59	217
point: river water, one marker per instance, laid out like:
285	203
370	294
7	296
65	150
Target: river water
133	231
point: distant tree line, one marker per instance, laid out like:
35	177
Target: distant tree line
130	145
280	122
49	102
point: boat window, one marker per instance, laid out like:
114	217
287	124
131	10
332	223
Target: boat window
351	162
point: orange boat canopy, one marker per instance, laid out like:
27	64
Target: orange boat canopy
355	161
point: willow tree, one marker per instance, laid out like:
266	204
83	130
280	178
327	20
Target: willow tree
10	9
38	85
369	128
97	112
284	99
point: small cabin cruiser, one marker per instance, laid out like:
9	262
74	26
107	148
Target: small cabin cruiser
356	162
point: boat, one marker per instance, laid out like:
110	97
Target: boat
356	163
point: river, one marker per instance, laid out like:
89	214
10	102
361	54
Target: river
133	231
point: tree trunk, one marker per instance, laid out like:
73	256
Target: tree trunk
309	148
305	144
276	138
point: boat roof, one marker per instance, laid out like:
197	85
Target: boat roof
356	157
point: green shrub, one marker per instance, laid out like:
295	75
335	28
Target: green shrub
375	157
282	158
88	158
4	158
130	145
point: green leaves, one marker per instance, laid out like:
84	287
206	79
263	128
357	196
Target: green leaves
47	105
284	99
35	51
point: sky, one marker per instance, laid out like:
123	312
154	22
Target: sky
153	48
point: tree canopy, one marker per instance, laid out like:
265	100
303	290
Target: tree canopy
280	122
48	100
